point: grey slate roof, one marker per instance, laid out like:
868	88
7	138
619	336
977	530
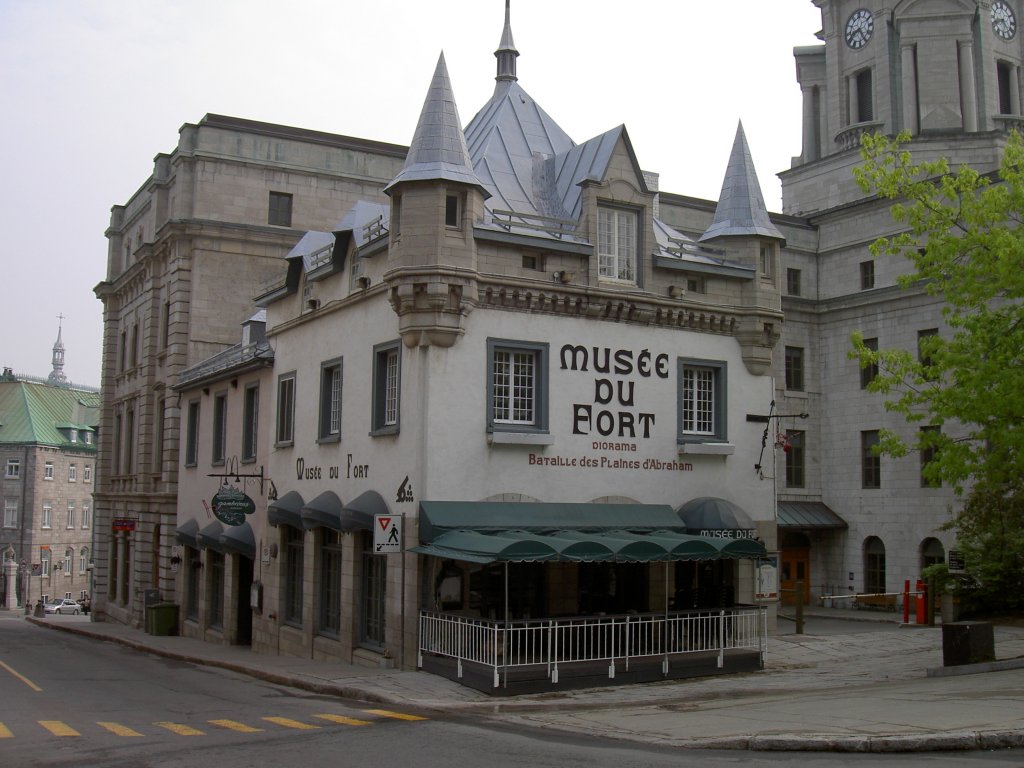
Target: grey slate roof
741	209
438	149
526	163
513	143
360	214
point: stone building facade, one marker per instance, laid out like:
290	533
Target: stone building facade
363	279
476	339
48	460
186	255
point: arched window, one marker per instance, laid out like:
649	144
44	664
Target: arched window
874	566
932	552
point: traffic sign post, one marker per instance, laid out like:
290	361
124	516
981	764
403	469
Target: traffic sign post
387	534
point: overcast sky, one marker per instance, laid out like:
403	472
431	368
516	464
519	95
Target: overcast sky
92	90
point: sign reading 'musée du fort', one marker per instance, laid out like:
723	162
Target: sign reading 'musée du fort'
614	414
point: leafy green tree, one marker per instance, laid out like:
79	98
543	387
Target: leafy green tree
962	237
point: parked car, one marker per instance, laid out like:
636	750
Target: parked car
61	606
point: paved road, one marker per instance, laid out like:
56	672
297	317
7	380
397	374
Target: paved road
886	702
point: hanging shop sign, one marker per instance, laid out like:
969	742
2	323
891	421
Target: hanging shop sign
231	505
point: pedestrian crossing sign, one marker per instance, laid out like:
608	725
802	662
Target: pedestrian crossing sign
387	534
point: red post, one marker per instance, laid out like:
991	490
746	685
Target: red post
920	602
906	601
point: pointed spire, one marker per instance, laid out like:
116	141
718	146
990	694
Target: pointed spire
506	53
741	209
57	374
438	149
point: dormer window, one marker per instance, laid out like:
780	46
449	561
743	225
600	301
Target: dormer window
617	244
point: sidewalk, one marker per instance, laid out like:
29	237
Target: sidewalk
857	691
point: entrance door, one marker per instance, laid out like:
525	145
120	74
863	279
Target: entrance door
795	565
243	609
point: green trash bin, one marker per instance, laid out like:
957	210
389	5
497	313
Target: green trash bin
162	619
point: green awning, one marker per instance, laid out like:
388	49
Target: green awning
488	532
742	548
809	515
439	516
510	546
286	510
186	533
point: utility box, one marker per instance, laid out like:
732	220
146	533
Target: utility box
967	642
162	619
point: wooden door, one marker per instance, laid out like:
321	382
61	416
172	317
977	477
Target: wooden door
794	566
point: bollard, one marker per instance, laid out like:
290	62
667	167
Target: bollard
906	601
919	602
799	607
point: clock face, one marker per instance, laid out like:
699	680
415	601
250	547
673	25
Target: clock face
859	27
1003	22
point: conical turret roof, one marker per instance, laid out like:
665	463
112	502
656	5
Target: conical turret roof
741	209
438	149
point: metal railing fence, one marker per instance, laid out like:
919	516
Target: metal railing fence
587	639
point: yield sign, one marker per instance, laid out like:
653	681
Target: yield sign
387	534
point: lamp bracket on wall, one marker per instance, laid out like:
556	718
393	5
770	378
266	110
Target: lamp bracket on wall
767	421
233	472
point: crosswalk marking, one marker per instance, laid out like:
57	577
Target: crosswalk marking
343	720
287	722
62	729
395	715
234	725
179	728
57	728
119	730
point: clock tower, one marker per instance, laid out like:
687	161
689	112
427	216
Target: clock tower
946	71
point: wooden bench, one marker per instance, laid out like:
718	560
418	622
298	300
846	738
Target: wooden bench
875	602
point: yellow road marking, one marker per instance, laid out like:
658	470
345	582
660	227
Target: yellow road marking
289	723
5	732
23	679
119	730
179	728
234	725
57	728
395	715
343	720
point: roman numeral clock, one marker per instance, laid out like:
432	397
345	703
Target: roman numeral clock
1004	24
859	27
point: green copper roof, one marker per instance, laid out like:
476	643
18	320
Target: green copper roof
37	413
